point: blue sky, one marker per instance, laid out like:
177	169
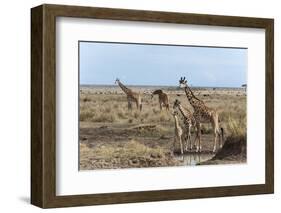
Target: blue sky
142	64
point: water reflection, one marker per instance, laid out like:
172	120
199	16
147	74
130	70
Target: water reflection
192	159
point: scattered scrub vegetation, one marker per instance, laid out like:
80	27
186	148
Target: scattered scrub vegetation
103	109
132	154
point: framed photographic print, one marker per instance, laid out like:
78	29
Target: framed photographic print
136	106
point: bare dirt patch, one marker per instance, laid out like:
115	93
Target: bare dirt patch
234	151
113	137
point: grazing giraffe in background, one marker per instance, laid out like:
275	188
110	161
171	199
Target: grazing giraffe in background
178	132
131	96
188	120
163	99
202	114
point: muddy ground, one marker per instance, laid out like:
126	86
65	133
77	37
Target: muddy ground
112	137
146	147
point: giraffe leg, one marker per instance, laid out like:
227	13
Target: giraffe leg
137	104
129	103
174	144
180	144
216	132
220	140
215	141
186	140
184	137
219	136
222	137
195	140
167	107
189	137
199	137
200	145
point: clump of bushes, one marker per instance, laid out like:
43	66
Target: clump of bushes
237	127
235	145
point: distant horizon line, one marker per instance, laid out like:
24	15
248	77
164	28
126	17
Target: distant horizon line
136	85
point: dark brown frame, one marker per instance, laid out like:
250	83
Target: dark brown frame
43	105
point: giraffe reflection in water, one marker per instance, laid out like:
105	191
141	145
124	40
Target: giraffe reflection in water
193	159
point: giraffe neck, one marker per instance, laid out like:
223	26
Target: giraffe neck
124	88
176	122
193	100
182	110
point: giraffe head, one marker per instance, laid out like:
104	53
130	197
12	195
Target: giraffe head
117	81
182	82
176	103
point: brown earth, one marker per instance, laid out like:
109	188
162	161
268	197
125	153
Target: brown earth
113	137
234	150
110	147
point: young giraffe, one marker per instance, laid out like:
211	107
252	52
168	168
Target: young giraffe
188	120
131	96
178	132
163	99
203	114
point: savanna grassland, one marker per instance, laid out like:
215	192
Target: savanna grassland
111	136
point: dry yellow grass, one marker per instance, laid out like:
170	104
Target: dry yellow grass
132	154
237	127
108	138
112	108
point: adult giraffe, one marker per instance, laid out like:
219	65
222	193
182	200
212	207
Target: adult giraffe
131	96
202	114
163	99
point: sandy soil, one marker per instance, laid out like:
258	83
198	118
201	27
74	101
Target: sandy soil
103	136
142	142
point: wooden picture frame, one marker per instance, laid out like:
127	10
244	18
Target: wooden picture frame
43	105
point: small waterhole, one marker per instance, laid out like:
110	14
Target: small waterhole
193	159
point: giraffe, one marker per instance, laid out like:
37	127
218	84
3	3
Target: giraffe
188	120
178	132
131	96
163	99
203	114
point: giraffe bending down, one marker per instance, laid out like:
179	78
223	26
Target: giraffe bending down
131	96
203	114
178	132
163	99
189	122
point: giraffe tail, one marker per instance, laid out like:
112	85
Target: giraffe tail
221	131
140	102
222	134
